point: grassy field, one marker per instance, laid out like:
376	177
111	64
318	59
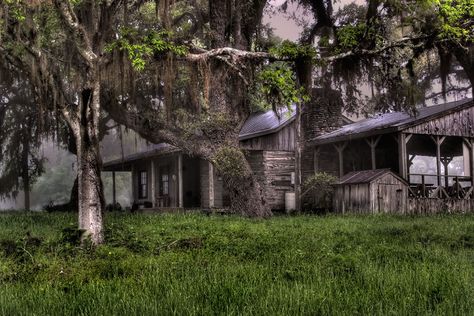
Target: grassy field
207	265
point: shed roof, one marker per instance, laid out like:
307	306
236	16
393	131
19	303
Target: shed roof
366	176
266	122
390	122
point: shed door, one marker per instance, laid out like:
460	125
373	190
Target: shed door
389	197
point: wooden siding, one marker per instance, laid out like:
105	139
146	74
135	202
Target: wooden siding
218	187
273	171
284	139
386	194
459	123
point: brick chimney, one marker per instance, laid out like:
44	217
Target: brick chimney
323	114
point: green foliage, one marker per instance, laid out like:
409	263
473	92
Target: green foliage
456	19
291	50
276	86
139	48
349	36
209	265
320	186
230	161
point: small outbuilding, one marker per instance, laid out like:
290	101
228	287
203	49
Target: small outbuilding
371	191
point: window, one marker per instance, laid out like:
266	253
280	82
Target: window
164	181
142	185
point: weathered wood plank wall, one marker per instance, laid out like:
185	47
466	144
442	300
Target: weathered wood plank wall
218	186
273	171
459	123
282	140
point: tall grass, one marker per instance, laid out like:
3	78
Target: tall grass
206	265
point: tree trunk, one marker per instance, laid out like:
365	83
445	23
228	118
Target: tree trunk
246	194
465	57
91	202
25	168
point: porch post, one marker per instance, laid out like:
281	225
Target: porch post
438	141
470	146
153	185
180	180
340	150
373	142
211	185
316	152
470	143
114	192
402	156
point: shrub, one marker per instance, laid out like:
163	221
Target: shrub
318	191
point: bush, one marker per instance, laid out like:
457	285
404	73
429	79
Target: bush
318	192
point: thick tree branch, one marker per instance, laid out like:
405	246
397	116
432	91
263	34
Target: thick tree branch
69	18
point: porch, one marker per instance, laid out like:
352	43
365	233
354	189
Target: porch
165	179
433	153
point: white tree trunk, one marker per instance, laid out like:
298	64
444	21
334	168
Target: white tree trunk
90	189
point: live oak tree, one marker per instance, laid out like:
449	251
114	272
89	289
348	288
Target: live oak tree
60	46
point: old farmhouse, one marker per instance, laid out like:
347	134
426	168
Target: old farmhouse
392	162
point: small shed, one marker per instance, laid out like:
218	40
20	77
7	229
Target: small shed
371	191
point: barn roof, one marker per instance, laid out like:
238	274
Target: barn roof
365	176
390	122
266	122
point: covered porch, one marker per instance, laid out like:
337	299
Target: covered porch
433	152
165	178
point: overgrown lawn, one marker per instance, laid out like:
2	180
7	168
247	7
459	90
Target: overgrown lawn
205	265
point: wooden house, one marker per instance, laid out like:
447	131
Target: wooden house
165	177
438	136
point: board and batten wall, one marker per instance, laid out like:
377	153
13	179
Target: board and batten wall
385	194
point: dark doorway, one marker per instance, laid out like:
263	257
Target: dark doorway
191	182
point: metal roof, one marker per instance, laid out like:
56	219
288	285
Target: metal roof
258	124
151	151
390	122
266	122
365	176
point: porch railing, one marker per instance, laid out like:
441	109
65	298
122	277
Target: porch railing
426	186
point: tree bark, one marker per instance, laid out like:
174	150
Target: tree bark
465	57
91	202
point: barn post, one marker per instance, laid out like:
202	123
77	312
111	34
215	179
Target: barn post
438	141
316	152
373	142
153	185
446	161
340	150
114	192
180	180
402	156
470	144
471	161
211	185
